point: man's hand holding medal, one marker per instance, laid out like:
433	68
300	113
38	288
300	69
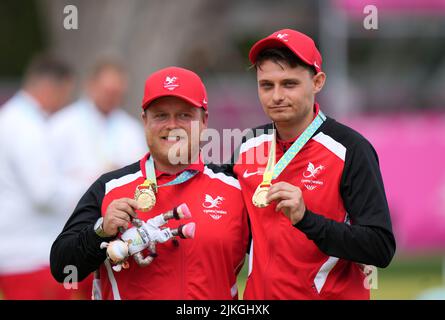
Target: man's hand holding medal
143	235
289	198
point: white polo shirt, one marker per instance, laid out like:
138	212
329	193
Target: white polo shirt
35	199
88	143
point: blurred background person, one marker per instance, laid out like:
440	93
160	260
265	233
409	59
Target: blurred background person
94	135
33	195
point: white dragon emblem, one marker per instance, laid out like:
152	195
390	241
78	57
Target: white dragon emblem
170	80
312	171
212	203
170	83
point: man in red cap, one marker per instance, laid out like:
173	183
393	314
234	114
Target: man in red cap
316	204
172	173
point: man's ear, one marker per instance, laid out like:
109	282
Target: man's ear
205	117
319	79
144	116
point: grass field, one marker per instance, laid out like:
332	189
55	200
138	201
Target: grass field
404	279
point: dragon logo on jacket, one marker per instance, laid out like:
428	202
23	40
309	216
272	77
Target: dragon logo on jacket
312	172
212	206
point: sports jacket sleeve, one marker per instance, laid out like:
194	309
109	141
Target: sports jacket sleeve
368	238
78	245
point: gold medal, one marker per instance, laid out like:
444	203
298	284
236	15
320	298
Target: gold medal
145	196
259	197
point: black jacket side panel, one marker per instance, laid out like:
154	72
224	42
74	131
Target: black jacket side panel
368	238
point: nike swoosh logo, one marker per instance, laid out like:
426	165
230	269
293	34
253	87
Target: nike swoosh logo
247	174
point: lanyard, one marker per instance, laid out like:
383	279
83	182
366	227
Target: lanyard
151	176
274	170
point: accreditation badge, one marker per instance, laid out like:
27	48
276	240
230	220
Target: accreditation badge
145	196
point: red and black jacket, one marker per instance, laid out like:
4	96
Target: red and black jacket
346	223
201	268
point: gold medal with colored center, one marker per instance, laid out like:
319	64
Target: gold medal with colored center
145	197
259	197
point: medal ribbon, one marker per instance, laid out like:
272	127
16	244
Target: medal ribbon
151	176
298	144
275	171
268	172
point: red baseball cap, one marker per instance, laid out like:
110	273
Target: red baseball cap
176	82
299	43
